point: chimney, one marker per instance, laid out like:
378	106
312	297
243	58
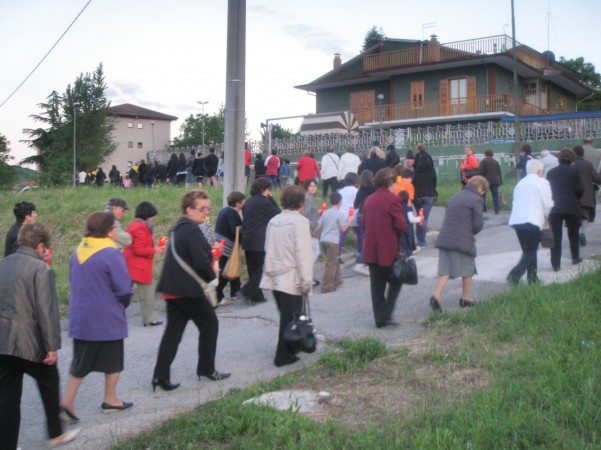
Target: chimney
337	61
433	49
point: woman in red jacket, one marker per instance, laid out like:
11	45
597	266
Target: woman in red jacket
138	256
307	168
469	166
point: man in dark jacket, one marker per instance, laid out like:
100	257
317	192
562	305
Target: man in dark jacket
211	164
392	157
256	212
24	213
30	335
490	169
590	178
424	181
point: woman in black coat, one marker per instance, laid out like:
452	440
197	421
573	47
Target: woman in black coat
567	188
490	169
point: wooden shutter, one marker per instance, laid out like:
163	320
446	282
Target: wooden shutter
444	97
471	95
417	95
363	105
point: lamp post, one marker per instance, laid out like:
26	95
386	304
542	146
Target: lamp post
380	100
75	105
154	155
203	121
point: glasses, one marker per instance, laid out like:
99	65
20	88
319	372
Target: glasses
203	209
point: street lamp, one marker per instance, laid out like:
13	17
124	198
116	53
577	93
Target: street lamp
75	105
154	155
380	100
203	121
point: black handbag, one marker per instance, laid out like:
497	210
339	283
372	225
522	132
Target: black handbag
299	334
546	238
404	268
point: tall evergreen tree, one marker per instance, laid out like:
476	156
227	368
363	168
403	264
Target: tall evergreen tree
374	36
53	141
7	172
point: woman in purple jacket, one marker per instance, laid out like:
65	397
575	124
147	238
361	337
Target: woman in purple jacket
100	291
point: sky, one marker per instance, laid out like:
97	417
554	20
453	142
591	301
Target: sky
168	55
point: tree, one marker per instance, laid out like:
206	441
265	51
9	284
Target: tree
278	132
7	172
374	36
191	130
53	141
586	75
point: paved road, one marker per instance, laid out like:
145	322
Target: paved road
248	335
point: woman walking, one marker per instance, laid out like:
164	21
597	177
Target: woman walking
491	170
185	296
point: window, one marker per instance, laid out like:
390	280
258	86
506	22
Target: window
458	95
130	144
140	145
130	124
417	95
140	126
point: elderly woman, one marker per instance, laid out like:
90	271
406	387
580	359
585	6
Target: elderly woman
288	268
139	255
532	203
567	188
101	289
456	242
188	258
376	160
257	211
384	223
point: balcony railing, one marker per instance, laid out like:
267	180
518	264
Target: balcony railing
454	107
437	52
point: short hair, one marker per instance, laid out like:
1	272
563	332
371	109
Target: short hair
526	149
566	156
350	149
199	154
234	197
420	147
259	186
23	209
377	151
211	150
544	153
190	197
385	177
479	181
351	179
404	195
588	141
145	210
293	198
409	154
306	153
399	169
488	152
330	149
534	166
99	224
407	173
366	179
335	198
391	148
579	151
307	183
470	148
33	234
274	152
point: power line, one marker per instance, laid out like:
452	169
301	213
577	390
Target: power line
45	56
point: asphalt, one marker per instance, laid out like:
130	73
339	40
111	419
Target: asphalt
248	335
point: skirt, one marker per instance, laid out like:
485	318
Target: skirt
96	356
455	264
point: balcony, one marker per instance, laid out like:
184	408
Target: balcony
454	107
434	52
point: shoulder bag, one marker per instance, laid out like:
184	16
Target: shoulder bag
231	271
404	269
208	288
299	334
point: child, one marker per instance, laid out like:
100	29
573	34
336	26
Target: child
284	173
410	218
331	223
127	182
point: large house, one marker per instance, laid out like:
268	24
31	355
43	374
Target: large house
138	132
405	83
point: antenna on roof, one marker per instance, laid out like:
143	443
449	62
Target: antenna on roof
427	25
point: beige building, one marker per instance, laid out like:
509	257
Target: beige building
138	132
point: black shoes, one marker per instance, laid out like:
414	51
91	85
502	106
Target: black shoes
466	303
582	240
435	305
577	261
108	409
67	416
156	323
285	363
215	376
165	385
388	323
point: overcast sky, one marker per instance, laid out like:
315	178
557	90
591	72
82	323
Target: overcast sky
167	55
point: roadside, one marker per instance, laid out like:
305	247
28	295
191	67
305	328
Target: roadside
248	335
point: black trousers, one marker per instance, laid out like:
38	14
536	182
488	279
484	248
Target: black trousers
529	238
179	311
330	182
12	370
288	304
382	301
234	284
254	265
573	225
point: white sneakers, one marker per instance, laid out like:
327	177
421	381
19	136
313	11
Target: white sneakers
361	269
63	439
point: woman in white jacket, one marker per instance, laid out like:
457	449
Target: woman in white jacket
330	164
288	269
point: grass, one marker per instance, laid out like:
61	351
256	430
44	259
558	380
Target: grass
521	370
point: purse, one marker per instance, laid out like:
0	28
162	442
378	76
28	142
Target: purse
231	271
404	269
208	288
546	238
299	334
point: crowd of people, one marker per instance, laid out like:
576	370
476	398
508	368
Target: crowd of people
385	200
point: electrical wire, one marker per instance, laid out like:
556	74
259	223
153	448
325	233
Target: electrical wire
45	56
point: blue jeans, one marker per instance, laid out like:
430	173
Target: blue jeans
529	238
426	204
